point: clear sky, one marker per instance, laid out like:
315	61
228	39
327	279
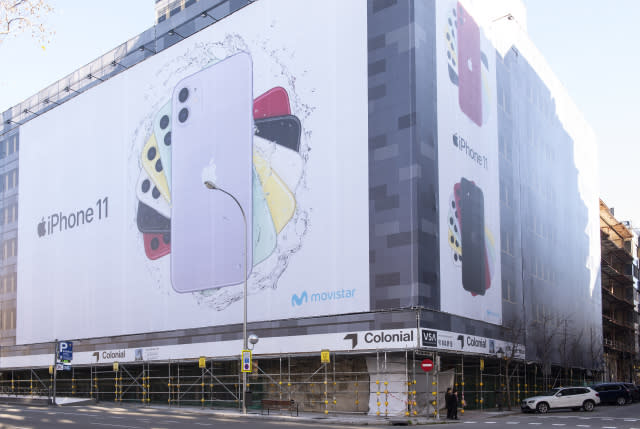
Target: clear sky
588	43
590	46
84	30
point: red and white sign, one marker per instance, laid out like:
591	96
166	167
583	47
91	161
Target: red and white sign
426	365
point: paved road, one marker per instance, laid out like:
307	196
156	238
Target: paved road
603	417
112	417
96	417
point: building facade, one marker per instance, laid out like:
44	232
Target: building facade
414	182
619	296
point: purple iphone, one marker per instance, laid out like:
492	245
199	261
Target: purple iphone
212	142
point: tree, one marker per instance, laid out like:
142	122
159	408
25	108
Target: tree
514	334
18	16
544	333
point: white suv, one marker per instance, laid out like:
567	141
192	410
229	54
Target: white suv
562	397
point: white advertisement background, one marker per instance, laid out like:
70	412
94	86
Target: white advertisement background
454	164
95	280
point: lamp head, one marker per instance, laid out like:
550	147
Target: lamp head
209	184
253	339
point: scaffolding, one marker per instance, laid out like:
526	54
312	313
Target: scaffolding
382	383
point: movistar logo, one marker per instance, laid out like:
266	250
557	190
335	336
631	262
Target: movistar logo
318	297
299	300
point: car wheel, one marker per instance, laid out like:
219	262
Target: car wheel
621	400
588	405
542	408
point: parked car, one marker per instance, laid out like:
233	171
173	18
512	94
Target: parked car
562	397
613	393
634	390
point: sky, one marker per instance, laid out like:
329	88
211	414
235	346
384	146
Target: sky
84	30
588	44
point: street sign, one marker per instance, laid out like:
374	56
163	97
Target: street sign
246	361
426	365
116	367
202	362
325	356
65	351
481	364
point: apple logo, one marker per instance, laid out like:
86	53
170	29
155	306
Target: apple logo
208	173
41	228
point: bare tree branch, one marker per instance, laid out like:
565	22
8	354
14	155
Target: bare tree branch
515	331
19	16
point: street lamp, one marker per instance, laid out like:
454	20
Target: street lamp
253	339
210	185
499	391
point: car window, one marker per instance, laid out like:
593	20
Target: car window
569	392
598	388
582	391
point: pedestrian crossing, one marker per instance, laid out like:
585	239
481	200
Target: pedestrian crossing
595	422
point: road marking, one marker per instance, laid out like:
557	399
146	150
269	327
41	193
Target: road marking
533	423
630	420
118	426
470	422
558	424
489	423
609	427
584	426
512	423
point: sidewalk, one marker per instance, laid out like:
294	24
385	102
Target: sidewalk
345	419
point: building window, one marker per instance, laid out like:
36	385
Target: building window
506	242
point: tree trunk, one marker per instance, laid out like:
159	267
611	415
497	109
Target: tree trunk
508	377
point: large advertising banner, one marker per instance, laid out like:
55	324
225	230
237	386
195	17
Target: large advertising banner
468	167
240	152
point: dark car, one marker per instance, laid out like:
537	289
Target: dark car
613	393
634	390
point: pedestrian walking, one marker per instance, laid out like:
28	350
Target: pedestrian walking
454	405
448	401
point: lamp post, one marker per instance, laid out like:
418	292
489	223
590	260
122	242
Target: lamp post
209	184
499	390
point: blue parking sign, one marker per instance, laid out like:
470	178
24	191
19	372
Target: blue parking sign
65	351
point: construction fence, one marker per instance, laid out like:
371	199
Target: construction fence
383	383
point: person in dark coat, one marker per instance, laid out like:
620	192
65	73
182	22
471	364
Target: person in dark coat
454	405
448	402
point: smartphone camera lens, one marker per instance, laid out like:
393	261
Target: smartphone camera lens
164	122
183	115
183	95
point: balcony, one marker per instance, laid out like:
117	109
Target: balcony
628	326
620	346
608	291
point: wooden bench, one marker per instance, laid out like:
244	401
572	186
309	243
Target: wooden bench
275	404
